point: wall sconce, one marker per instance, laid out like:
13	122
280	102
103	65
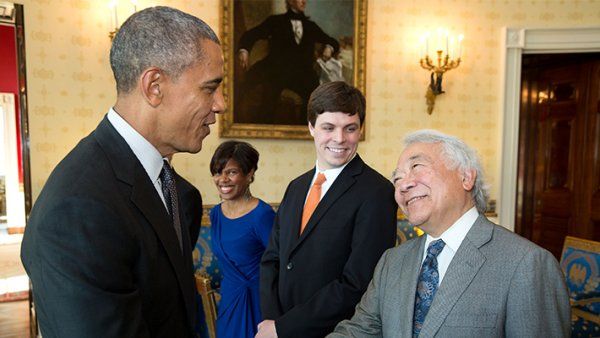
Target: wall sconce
113	7
444	62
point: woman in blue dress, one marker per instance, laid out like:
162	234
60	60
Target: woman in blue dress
240	229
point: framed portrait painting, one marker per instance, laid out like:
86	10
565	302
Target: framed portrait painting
277	52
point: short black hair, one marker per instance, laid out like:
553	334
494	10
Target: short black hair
337	96
242	152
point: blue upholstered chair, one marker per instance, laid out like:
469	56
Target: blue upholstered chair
405	231
580	261
208	280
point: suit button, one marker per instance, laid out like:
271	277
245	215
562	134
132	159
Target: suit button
290	266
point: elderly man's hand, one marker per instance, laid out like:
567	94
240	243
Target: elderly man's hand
266	329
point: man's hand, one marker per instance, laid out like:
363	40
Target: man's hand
266	329
243	58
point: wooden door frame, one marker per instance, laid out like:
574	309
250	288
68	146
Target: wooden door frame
516	42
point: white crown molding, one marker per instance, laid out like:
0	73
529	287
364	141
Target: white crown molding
519	41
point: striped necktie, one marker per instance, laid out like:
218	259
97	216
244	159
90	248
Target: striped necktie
167	178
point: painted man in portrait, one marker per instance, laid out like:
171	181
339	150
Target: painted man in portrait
275	89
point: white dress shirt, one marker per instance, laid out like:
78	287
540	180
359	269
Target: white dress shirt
453	237
330	177
298	30
145	152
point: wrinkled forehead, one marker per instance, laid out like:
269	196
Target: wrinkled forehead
419	151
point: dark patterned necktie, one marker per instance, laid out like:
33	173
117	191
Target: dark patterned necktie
167	179
427	285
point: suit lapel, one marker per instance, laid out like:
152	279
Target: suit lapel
342	183
401	324
144	196
462	269
291	36
295	211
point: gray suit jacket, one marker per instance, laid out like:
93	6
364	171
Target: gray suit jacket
498	284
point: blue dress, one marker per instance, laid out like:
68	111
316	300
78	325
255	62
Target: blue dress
239	244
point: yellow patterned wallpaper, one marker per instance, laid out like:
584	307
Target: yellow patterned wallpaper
71	86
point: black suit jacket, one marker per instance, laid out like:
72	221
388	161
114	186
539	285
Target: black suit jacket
101	250
309	283
190	206
284	53
287	64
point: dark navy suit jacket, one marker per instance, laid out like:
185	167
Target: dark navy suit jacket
101	250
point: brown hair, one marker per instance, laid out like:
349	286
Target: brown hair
337	96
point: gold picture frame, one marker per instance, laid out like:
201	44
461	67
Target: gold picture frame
238	123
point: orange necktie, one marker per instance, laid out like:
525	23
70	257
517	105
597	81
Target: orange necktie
314	196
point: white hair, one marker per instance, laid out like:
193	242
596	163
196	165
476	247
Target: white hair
457	155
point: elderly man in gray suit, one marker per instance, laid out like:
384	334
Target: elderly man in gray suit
467	277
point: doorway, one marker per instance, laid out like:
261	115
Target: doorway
558	173
15	186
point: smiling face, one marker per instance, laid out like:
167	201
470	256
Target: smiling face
431	195
336	138
190	102
231	182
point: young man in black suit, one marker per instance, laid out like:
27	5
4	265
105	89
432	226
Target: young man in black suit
318	264
108	244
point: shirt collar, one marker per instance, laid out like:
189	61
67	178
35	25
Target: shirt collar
145	152
454	235
331	174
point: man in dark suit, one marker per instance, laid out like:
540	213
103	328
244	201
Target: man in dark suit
191	208
289	64
319	262
467	277
108	244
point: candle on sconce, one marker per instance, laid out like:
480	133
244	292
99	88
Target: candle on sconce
460	39
111	18
447	50
115	18
427	44
134	4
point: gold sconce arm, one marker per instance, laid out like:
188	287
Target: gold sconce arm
112	33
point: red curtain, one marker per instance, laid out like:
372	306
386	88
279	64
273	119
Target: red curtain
9	80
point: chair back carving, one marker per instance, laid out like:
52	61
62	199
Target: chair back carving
209	302
580	261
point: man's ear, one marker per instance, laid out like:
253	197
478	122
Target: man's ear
311	129
468	179
151	80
